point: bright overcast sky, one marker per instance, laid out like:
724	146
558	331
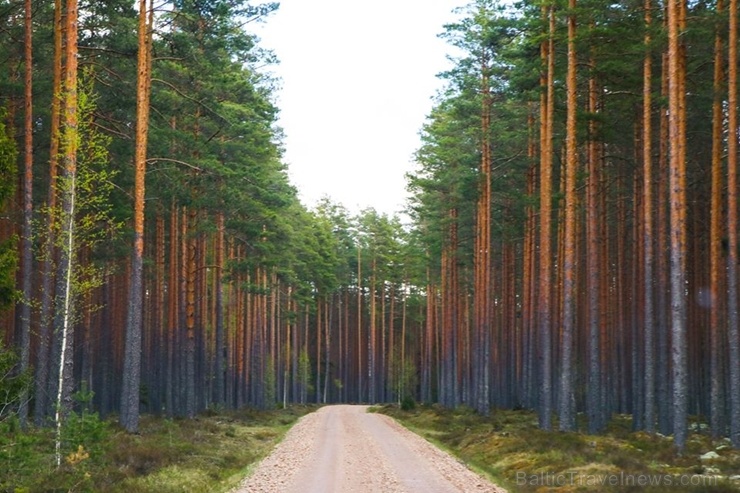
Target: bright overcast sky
357	82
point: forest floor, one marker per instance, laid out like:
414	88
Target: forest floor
509	448
210	453
216	451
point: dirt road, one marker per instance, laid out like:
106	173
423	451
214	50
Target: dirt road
345	449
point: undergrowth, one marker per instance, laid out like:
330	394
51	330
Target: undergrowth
512	451
210	453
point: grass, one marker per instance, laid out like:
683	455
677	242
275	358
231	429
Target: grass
512	451
211	453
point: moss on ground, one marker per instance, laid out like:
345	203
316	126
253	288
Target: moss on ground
210	453
512	451
213	452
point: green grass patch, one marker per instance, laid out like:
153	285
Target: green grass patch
510	449
210	453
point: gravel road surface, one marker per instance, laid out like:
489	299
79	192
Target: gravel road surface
345	449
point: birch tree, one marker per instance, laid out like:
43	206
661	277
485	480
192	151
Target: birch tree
64	308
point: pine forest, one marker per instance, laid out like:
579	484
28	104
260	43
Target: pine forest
570	245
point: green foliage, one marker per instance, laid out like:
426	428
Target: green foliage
408	403
270	384
95	178
95	226
489	34
8	254
86	440
209	454
304	374
403	377
8	165
25	454
12	385
8	266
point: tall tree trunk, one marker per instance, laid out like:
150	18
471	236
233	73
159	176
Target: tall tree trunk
219	388
327	350
733	330
344	344
172	312
64	303
482	255
129	417
159	353
662	306
567	378
716	319
529	281
320	306
636	293
428	341
360	378
190	268
403	390
451	319
547	104
594	402
27	245
649	317
42	395
371	343
382	370
677	180
288	351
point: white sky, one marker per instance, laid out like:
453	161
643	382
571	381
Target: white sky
357	82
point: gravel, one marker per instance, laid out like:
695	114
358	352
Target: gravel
345	449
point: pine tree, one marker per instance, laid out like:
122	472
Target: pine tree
733	322
547	105
132	362
647	136
27	244
677	225
716	233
